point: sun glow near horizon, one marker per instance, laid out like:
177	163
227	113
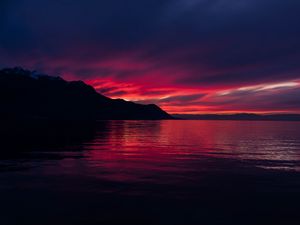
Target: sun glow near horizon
259	98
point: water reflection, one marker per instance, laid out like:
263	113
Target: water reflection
181	152
118	146
155	145
151	172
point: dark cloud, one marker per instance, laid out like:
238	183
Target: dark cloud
107	90
279	99
277	72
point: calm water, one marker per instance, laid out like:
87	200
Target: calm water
156	172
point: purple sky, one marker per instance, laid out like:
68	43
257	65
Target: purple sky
188	56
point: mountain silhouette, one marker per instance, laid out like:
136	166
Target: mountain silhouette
27	94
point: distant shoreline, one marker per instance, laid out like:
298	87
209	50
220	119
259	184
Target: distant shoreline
239	117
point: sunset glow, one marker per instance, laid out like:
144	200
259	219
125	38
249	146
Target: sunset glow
186	56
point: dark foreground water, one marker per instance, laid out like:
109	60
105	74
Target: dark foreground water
152	172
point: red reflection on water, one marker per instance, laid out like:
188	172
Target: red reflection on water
169	150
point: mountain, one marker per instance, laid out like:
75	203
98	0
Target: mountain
240	116
28	94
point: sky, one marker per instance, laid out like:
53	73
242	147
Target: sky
187	56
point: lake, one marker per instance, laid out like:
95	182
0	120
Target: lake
153	172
